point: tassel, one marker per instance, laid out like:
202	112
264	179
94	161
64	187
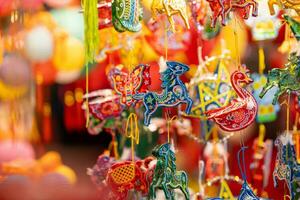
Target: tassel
261	60
91	35
91	40
132	132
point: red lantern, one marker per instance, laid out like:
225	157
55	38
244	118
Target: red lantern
45	72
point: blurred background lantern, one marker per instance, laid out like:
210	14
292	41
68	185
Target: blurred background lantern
31	4
6	7
15	149
39	44
15	70
44	72
58	3
68	58
70	20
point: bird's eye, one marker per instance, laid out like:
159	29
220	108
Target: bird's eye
178	67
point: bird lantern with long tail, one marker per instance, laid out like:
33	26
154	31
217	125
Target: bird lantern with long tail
240	112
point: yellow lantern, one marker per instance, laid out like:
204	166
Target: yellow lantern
68	53
67	172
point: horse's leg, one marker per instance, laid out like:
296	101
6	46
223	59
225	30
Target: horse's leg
215	17
148	112
172	23
254	9
275	178
277	95
165	189
290	187
146	118
166	7
222	12
184	186
184	16
152	189
265	89
271	6
189	105
154	14
172	194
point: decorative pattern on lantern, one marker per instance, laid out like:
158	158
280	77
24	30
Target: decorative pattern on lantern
213	90
129	84
116	179
223	7
106	108
170	8
178	41
166	177
174	93
240	112
104	14
267	112
286	166
284	4
287	79
126	15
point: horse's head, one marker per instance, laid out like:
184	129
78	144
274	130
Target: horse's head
104	160
273	79
278	143
177	68
161	151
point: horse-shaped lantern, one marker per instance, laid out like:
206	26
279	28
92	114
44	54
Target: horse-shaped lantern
165	175
287	79
174	93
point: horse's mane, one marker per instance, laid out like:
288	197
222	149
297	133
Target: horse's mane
171	160
167	77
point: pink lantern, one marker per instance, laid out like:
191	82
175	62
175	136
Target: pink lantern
11	150
32	4
5	7
15	70
57	3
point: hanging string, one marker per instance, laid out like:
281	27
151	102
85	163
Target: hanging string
261	60
132	132
113	145
91	41
288	113
262	133
243	171
166	40
295	130
238	59
87	110
169	121
91	35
